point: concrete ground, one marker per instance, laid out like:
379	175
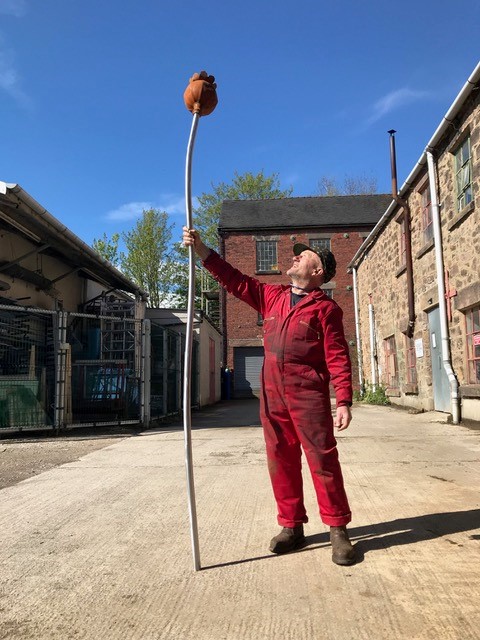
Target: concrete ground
100	547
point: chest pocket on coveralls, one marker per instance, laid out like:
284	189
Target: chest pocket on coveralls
269	331
305	331
307	344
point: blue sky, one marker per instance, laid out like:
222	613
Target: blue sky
93	124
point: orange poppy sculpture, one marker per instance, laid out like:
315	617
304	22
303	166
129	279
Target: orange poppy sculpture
201	94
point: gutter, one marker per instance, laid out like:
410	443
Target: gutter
68	235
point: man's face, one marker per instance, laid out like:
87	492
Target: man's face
305	266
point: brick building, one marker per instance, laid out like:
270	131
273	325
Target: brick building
257	237
418	274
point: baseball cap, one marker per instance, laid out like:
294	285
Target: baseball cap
328	259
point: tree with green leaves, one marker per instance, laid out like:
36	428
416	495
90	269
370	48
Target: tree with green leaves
147	260
108	248
247	186
351	186
163	273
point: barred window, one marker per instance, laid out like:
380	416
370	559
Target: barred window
320	243
472	319
463	175
267	255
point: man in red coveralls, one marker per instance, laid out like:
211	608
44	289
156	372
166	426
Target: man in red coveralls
305	348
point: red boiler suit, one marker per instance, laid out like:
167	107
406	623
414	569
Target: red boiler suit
305	347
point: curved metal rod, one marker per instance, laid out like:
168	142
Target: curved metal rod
187	370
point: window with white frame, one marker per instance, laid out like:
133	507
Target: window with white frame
463	174
427	225
267	260
472	323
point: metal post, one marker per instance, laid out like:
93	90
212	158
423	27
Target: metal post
145	398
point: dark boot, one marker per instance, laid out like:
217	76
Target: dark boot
342	551
287	540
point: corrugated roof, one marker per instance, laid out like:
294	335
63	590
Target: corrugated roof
287	213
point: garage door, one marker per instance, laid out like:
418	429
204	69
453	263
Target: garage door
248	363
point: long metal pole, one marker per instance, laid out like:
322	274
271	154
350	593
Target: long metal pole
187	370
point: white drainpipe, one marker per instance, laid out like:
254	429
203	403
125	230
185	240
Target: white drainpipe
373	349
437	235
357	332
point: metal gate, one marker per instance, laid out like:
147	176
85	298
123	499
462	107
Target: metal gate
27	368
63	369
166	389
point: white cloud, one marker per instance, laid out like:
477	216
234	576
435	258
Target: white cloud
172	204
395	100
9	79
129	211
17	8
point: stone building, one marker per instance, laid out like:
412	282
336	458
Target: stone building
418	275
257	237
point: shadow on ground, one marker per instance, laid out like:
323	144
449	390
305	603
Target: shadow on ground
228	413
394	533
